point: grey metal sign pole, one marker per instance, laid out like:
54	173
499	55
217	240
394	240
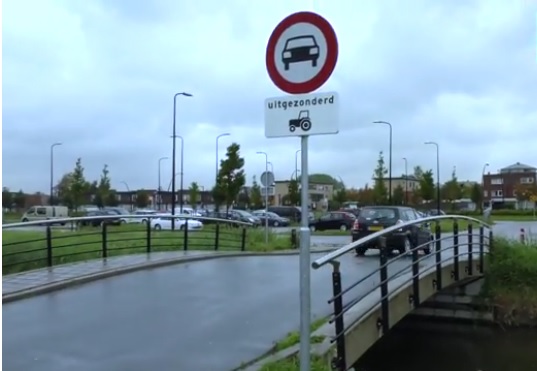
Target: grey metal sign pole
266	199
305	288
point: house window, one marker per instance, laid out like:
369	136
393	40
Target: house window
496	181
486	193
526	180
498	193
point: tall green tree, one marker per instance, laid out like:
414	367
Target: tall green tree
63	189
193	194
79	185
231	174
452	190
418	172
142	199
427	188
380	192
293	193
340	196
476	196
103	188
7	198
19	199
398	195
256	200
112	199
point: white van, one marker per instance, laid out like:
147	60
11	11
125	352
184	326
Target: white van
45	213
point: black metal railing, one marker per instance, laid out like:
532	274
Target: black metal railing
477	245
39	244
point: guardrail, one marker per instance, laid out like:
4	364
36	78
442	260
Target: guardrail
477	245
32	245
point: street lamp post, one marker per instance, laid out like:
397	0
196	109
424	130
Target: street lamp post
159	196
217	138
174	135
51	199
406	180
438	202
390	161
483	185
266	194
271	167
296	163
181	173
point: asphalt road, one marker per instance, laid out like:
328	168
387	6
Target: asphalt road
209	315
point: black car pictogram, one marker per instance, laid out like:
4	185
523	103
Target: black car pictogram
300	49
303	121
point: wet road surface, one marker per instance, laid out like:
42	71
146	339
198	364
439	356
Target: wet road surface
209	315
182	317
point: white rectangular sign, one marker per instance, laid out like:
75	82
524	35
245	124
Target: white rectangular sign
303	114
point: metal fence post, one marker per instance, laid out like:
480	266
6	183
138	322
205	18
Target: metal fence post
339	362
104	241
470	250
185	236
481	249
49	246
438	255
243	239
148	236
385	300
216	236
415	278
456	273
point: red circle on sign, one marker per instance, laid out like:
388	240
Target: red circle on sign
331	54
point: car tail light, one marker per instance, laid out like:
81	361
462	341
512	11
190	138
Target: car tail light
314	50
356	225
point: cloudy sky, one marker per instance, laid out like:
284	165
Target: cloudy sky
99	76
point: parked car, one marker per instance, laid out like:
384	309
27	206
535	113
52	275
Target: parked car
333	220
143	220
375	218
35	213
434	212
274	220
165	222
292	213
187	211
122	213
244	216
98	220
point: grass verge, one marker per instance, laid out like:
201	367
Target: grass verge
26	250
511	282
293	338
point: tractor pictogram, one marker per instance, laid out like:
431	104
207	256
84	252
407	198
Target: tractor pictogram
303	121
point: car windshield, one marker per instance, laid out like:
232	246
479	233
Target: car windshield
378	213
300	42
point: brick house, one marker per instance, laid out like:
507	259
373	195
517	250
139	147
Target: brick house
500	188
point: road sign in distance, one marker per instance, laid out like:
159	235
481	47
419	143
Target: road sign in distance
267	179
301	53
305	114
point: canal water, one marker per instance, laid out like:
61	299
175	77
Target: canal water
415	345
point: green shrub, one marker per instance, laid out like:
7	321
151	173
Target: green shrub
255	240
511	281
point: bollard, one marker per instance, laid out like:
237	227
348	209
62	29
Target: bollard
522	236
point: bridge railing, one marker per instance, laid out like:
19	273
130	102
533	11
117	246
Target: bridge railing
38	244
468	245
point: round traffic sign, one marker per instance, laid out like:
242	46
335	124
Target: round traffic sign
302	53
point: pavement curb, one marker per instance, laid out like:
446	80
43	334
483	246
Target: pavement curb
56	286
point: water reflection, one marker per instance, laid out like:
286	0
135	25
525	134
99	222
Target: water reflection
415	345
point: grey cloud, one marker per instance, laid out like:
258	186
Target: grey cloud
437	71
